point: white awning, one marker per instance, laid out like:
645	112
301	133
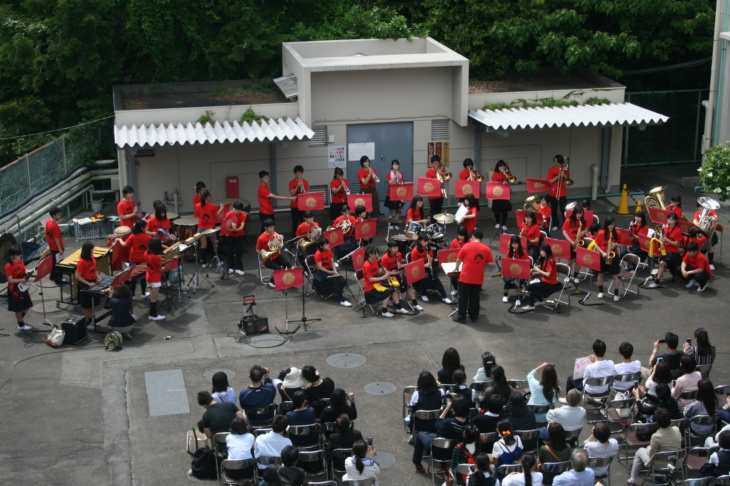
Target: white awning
168	134
610	115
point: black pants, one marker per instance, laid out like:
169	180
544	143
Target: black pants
54	276
701	278
295	220
574	383
235	252
264	217
326	286
469	300
430	281
279	263
335	210
435	207
348	246
558	212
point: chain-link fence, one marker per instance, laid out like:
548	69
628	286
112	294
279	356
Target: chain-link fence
675	142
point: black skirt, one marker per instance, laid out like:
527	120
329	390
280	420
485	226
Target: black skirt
501	206
19	305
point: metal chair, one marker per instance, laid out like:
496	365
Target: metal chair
598	399
480	387
540	410
688	395
488	439
220	450
659	468
359	482
554	304
343	454
595	462
519	385
552	469
314	464
572	435
631	439
697	457
311	433
697	482
528	435
263	278
441	447
361	305
704	369
619	410
465	469
285	407
408	392
424	415
253	414
257	432
631	259
721	392
626	378
237	465
698	420
321	483
506	469
722	481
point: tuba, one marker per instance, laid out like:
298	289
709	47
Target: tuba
276	241
311	237
531	204
705	222
655	198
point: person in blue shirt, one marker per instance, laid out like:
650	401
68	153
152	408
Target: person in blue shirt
260	393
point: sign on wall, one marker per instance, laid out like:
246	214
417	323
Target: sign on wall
438	148
356	150
336	157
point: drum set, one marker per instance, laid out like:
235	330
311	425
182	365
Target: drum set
436	233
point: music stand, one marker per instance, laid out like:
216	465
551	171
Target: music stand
42	270
284	280
167	267
192	242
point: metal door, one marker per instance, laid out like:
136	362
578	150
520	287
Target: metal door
389	141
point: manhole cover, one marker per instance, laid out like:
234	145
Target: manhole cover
384	459
380	388
208	375
266	341
346	360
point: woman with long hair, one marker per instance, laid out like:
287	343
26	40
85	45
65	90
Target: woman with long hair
482	475
531	231
702	351
428	396
638	227
344	437
470	219
518	253
450	362
556	449
416	213
662	374
485	372
500	386
705	404
465	452
547	271
339	405
529	475
544	391
222	391
362	464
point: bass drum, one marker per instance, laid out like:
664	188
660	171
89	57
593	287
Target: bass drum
403	242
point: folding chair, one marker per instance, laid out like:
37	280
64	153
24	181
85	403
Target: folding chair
554	304
408	392
257	432
480	387
666	459
626	378
594	462
506	469
696	482
311	433
618	414
722	481
540	410
359	482
263	278
220	450
698	457
254	415
236	465
596	398
423	415
721	392
361	305
704	370
285	407
338	454
519	385
688	395
623	275
314	464
488	439
322	483
698	420
572	435
528	436
632	441
443	448
552	469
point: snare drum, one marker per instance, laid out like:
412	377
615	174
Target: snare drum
402	241
414	229
186	227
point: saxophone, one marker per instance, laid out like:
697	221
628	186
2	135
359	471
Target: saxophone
578	240
610	254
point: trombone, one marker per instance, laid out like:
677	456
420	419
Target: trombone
508	175
474	175
443	176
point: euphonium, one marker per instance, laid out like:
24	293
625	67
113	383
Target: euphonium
276	241
610	254
705	222
655	198
531	204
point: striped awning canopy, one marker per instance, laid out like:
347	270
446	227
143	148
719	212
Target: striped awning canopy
180	134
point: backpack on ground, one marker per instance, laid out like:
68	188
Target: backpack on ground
204	464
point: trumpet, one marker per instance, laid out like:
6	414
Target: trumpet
610	254
346	188
276	241
399	178
300	187
474	175
375	176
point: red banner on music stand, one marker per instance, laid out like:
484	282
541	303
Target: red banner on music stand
537	185
401	192
515	268
560	248
44	267
366	228
685	226
624	236
520	217
288	278
587	215
358	258
121	278
504	240
645	242
496	190
311	201
467	187
429	187
658	216
447	256
588	258
334	237
415	271
355	200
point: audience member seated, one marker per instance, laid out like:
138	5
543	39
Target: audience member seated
529	475
460	387
702	351
508	449
599	368
687	382
448	428
302	414
721	459
485	372
670	356
338	405
556	449
344	438
482	475
240	444
362	464
287	473
317	388
706	404
626	366
273	442
647	405
662	374
599	445
544	391
222	391
288	383
491	413
428	396
499	385
580	475
572	417
258	394
522	417
667	438
465	452
450	362
218	416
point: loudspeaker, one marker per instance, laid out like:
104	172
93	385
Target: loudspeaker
251	325
75	329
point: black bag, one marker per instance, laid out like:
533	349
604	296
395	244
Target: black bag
204	464
709	469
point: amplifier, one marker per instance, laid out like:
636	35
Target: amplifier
251	325
75	329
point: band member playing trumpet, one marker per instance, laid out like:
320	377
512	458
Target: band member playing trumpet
607	244
470	219
436	203
347	223
468	174
235	222
695	268
275	261
138	241
394	177
637	227
266	209
86	277
18	301
546	212
392	261
304	232
573	229
557	175
531	231
127	209
501	207
153	274
423	251
671	239
340	188
546	270
298	185
373	282
54	241
368	182
471	259
206	212
326	280
416	213
710	253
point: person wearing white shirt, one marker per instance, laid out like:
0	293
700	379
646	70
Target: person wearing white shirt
598	368
271	443
599	445
625	367
572	417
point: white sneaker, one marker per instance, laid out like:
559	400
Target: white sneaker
157	318
230	270
616	298
424	298
518	303
496	226
385	313
454	293
576	280
345	303
653	285
240	272
504	228
702	289
600	295
555	228
90	327
396	227
446	300
528	308
691	284
24	327
145	295
712	267
418	308
401	311
271	284
505	299
204	265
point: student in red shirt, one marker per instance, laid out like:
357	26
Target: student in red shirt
206	212
501	207
602	246
138	242
547	271
546	213
375	284
308	233
472	259
710	253
531	231
159	225
199	186
326	280
339	188
516	252
467	173
235	222
423	251
392	261
366	177
360	216
557	175
154	275
675	206
266	208
127	209
573	229
694	234
436	203
275	261
347	223
18	301
54	241
637	227
298	185
671	239
695	268
416	213
470	219
394	177
86	277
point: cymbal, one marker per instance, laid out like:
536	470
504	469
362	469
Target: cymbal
390	220
444	218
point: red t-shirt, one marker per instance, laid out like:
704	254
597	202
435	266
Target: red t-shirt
678	211
265	205
674	234
262	243
530	232
456	243
339	197
391	262
636	230
138	246
304	228
125	207
414	214
14	270
154	267
470	223
572	228
419	253
294	183
511	253
433	174
552	268
697	214
700	240
552	174
463	175
698	261
499	177
53	232
351	230
154	224
237	220
87	269
370	269
325	257
546	212
196	199
601	239
206	215
475	256
362	174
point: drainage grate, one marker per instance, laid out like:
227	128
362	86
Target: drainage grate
380	388
166	393
346	360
